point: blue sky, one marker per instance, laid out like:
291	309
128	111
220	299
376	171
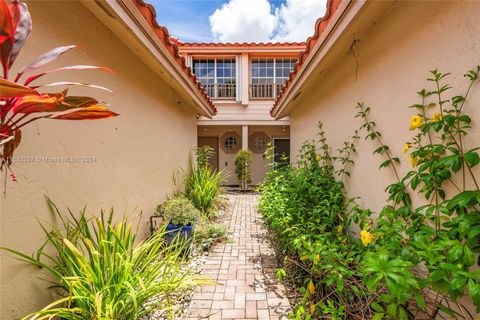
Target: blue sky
239	20
187	19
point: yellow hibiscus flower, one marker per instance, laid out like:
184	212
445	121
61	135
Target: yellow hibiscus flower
318	157
366	237
436	117
406	147
416	122
413	161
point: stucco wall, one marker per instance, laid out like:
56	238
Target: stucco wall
395	56
134	154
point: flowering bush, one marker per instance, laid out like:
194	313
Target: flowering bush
432	246
411	262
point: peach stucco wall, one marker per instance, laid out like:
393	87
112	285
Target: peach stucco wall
135	154
395	56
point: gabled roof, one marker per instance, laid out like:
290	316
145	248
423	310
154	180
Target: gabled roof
320	26
150	15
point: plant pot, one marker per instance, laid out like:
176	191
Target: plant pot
181	233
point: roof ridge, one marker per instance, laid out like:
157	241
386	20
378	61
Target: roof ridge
237	44
150	15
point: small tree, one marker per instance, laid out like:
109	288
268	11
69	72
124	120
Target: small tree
204	154
243	171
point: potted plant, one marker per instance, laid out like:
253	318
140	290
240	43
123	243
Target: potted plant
180	215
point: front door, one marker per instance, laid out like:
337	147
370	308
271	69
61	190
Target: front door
212	142
281	149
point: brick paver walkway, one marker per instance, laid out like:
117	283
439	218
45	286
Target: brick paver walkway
244	269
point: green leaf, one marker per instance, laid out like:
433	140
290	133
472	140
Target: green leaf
472	158
420	300
468	258
455	252
375	306
378	316
437	275
392	310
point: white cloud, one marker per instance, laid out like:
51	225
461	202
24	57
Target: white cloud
258	20
296	19
243	20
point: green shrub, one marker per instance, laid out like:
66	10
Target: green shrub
243	171
207	234
306	206
178	211
103	274
203	187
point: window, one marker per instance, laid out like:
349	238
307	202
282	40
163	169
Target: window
218	76
230	142
269	75
258	142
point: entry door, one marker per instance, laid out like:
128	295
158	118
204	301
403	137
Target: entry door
212	142
281	149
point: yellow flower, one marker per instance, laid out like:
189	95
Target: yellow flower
339	229
416	122
311	287
436	117
413	160
406	147
318	157
366	237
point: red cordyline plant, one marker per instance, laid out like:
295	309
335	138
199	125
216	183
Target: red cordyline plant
22	100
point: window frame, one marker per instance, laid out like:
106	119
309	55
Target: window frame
215	77
275	84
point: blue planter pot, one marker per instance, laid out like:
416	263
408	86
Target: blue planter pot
182	233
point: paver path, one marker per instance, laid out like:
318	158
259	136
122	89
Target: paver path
244	269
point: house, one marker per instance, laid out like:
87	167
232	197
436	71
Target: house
243	80
127	162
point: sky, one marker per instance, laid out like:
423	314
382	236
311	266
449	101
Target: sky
239	20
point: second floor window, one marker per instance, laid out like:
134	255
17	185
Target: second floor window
218	76
268	76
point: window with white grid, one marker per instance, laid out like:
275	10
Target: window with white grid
269	75
218	76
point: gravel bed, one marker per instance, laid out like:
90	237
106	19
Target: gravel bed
183	297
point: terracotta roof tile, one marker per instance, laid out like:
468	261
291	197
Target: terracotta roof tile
150	15
320	26
182	44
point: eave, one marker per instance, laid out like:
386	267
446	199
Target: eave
134	23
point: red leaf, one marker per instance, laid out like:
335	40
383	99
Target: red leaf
47	58
88	113
79	67
66	83
22	30
73	102
10	89
7	30
43	103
